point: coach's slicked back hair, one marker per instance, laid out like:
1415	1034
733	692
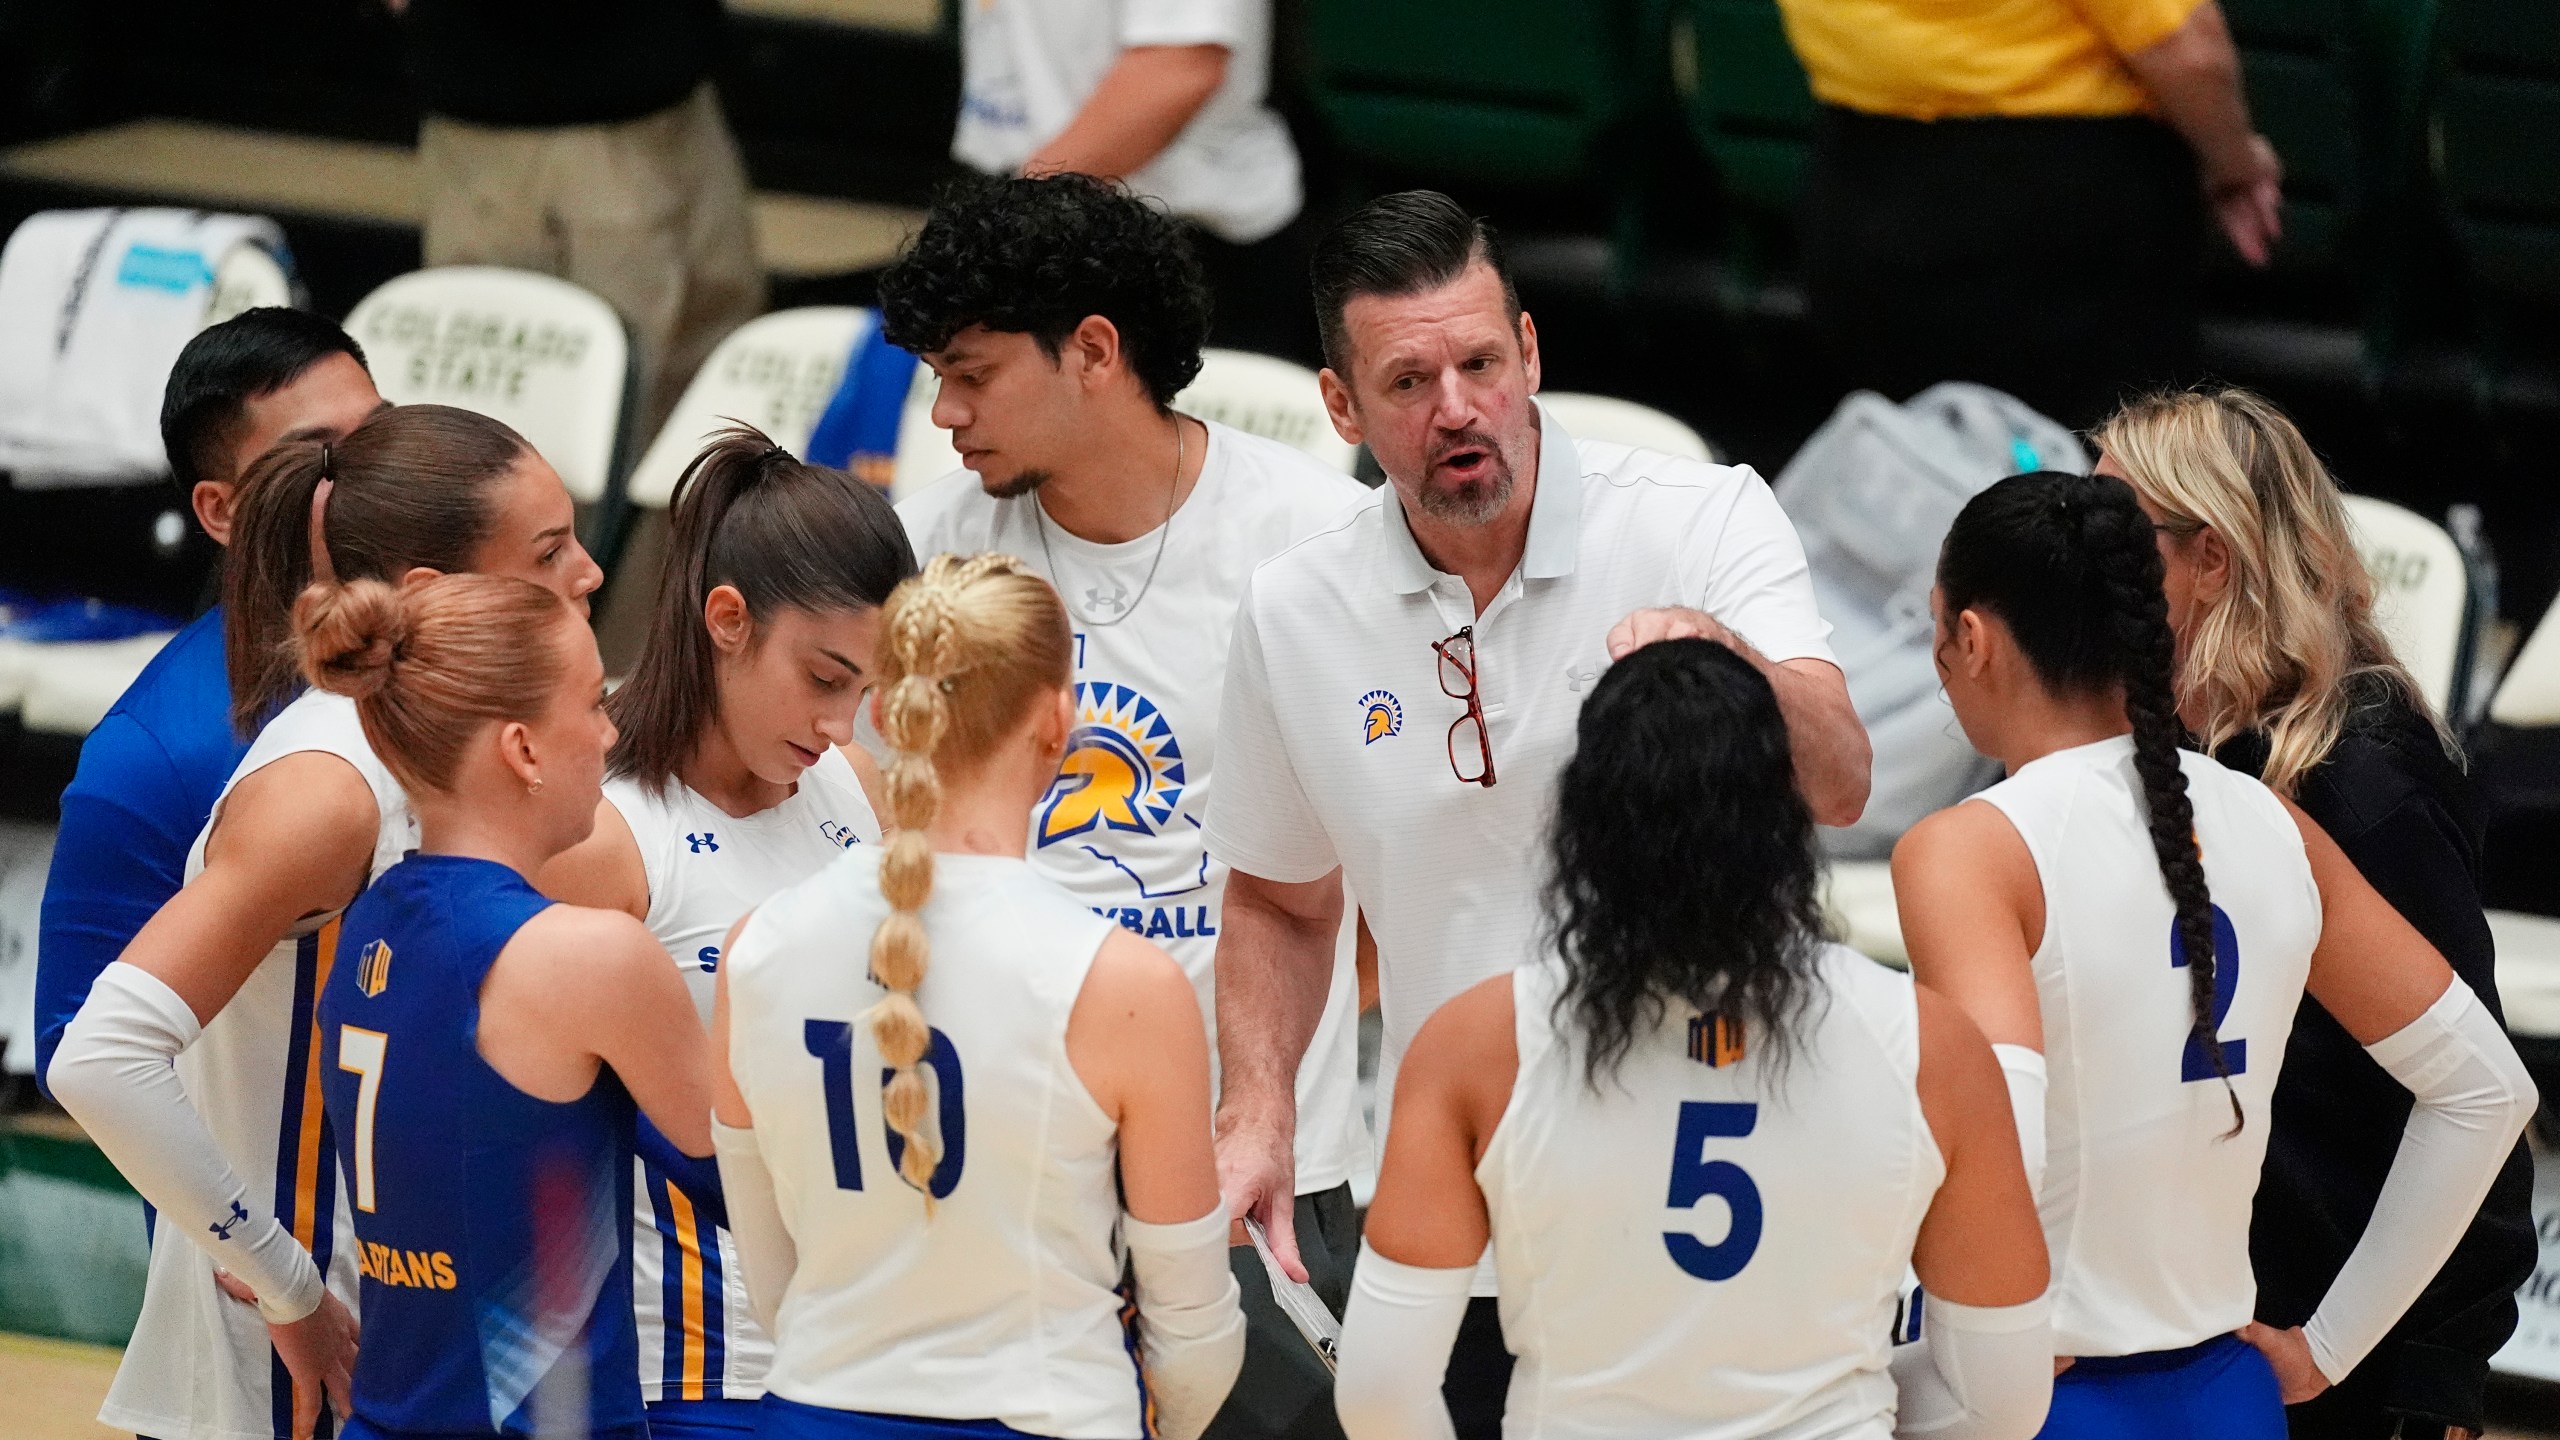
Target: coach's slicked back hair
411	486
1035	256
429	663
967	647
225	367
1400	244
1684	860
787	535
2068	564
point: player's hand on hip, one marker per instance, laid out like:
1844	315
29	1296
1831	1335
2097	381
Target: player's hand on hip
1670	622
1258	1177
319	1352
2298	1378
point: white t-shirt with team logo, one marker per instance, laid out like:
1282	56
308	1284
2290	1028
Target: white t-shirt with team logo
1335	732
1121	830
1028	66
706	867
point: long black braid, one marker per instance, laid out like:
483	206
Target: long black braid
2069	565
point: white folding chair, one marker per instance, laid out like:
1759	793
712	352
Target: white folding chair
1269	397
924	448
541	354
1605	417
72	687
2421	593
1857	897
776	372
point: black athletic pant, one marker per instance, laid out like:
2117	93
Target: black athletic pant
1479	1375
1284	1391
2052	257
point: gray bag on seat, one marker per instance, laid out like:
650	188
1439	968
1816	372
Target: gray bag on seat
1872	494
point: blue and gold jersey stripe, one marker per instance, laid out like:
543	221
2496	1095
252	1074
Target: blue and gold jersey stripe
306	1181
694	1313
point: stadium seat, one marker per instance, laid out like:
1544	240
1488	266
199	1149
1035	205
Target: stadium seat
2498	112
72	687
2528	946
247	278
1272	398
1257	394
2297	63
774	372
1746	99
2422	596
1857	898
1605	417
543	355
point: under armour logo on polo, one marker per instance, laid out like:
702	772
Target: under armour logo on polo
222	1228
1576	676
702	842
1117	600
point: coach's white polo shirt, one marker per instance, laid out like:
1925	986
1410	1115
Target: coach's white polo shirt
1332	738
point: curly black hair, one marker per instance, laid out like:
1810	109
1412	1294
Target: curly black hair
1684	866
2069	564
1036	256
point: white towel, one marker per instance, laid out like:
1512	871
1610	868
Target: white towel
94	308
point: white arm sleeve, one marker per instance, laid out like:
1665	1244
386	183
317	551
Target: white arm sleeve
2473	1098
2023	1069
116	1073
1190	1322
1396	1337
1978	1373
764	1242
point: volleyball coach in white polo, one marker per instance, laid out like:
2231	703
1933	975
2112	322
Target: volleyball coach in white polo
1403	684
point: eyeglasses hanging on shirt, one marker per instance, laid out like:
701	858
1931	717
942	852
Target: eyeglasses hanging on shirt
1458	681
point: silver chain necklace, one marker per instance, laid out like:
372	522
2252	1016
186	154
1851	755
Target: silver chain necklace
1164	532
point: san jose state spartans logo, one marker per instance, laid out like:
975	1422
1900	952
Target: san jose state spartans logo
1123	769
1381	715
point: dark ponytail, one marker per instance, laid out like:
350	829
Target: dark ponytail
786	534
2069	564
1683	860
412	486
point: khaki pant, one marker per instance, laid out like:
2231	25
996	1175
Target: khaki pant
650	214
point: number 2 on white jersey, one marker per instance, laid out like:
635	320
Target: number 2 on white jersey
1694	1177
2196	1064
360	1053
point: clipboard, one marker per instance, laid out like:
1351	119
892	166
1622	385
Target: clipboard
1298	1300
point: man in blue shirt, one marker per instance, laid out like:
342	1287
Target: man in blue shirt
150	772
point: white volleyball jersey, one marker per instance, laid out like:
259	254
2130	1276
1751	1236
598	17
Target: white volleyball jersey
199	1366
2146	1192
1001	1305
698	1338
1121	828
1760	1300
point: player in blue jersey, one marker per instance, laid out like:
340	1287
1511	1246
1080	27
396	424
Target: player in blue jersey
149	773
729	782
194	1061
482	1046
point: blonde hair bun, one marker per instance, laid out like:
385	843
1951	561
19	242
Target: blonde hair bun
350	636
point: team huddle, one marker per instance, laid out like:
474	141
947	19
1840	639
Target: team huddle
920	1000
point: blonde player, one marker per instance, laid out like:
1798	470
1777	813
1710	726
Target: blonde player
1706	1144
195	1060
2134	926
727	785
937	1162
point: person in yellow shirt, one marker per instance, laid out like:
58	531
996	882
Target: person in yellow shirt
2015	191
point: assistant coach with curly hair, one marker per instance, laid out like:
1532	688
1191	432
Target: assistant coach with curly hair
1063	315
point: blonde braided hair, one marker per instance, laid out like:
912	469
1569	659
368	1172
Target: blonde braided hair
971	643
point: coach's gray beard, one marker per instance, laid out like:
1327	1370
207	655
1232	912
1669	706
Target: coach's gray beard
1474	504
1017	487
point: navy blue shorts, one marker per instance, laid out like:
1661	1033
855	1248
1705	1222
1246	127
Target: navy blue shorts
780	1419
2222	1389
703	1419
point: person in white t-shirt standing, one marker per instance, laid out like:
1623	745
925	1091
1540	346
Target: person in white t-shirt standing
1168	95
1063	314
1402	687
